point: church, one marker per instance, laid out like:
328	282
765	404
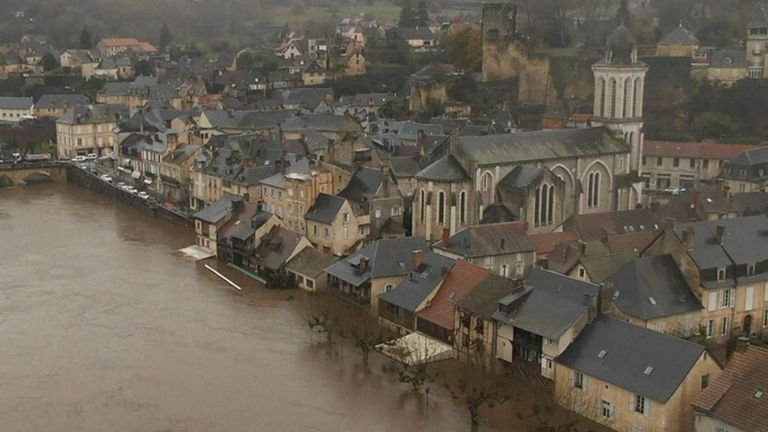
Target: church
544	177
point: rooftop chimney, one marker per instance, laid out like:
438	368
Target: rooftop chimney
742	343
688	238
363	264
720	233
416	259
446	237
669	224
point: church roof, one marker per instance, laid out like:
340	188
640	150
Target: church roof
680	35
620	49
447	168
541	145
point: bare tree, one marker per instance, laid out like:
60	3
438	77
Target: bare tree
475	389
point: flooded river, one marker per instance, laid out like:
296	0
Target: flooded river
103	328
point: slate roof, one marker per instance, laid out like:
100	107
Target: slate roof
447	168
253	120
629	351
553	304
522	176
276	246
546	242
16	103
320	122
498	213
484	299
310	262
61	100
98	113
601	267
240	225
364	185
732	396
488	240
652	287
386	257
462	278
717	58
745	241
217	210
412	33
419	283
325	208
541	145
593	226
694	150
404	166
680	35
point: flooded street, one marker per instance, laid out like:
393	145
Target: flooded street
103	328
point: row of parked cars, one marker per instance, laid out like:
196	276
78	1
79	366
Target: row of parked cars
88	157
126	187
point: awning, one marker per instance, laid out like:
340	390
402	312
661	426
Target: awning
147	181
136	174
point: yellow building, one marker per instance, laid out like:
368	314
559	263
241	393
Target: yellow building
681	42
629	378
87	129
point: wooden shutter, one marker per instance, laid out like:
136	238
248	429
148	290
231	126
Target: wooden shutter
712	301
749	301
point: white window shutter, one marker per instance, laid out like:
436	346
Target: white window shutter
749	301
647	407
712	301
732	299
631	402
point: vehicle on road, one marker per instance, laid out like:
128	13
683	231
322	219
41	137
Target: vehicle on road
143	195
121	185
91	156
43	157
80	158
131	189
106	178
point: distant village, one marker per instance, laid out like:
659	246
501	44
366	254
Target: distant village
629	274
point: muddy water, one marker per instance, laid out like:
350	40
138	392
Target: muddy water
103	328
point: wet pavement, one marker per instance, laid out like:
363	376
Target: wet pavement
103	327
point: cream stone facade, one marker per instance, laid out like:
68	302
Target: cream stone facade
86	129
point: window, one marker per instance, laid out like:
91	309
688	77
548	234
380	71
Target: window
395	211
486	182
579	381
422	205
548	362
676	162
593	189
377	213
726	298
582	272
290	192
463	207
750	269
326	232
640	404
290	208
765	318
504	270
314	229
704	381
645	160
346	233
659	161
613	98
705	163
346	217
441	207
720	274
725	326
544	203
606	409
691	163
388	288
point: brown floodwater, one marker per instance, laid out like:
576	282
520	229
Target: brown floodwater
104	328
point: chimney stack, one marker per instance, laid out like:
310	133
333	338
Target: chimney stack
363	264
688	238
742	343
669	224
720	233
446	237
416	259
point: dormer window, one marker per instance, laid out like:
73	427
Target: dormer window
750	269
720	274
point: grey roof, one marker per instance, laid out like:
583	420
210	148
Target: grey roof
306	97
420	283
310	262
498	213
243	231
386	257
522	176
219	209
320	122
680	35
652	287
415	33
620	45
315	140
718	58
61	100
98	113
362	100
447	168
364	185
600	267
484	299
325	208
276	247
553	304
541	145
276	181
16	103
629	352
246	120
404	166
409	130
487	240
745	241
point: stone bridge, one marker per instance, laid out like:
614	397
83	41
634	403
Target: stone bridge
32	172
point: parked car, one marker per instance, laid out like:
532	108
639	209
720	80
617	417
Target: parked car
143	195
121	185
131	189
79	159
91	156
106	178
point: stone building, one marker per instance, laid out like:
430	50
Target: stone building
86	129
540	177
680	42
619	82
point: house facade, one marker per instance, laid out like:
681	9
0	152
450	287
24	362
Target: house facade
86	129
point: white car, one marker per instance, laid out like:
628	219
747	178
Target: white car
131	189
106	178
143	195
91	156
121	185
79	159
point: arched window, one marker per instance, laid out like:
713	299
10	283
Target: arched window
627	107
463	207
441	207
486	182
544	205
536	205
593	189
600	108
551	205
613	98
636	99
422	206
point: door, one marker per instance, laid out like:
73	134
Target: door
747	324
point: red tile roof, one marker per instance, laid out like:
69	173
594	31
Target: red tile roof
461	280
733	397
694	150
547	242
